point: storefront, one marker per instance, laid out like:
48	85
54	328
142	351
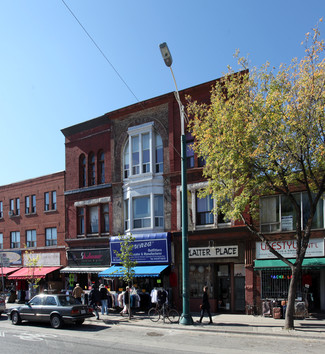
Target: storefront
275	275
222	269
152	252
84	266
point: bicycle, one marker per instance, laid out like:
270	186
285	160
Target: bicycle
163	311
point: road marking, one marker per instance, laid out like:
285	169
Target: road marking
34	337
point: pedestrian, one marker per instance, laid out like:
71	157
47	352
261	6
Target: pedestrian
77	292
94	299
126	298
205	306
104	298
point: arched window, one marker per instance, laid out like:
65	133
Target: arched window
92	170
101	167
143	152
82	171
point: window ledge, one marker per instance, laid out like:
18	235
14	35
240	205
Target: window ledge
50	211
30	214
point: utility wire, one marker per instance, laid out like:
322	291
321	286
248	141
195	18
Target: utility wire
102	53
107	60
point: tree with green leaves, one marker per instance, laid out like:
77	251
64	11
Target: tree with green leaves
128	263
31	262
264	133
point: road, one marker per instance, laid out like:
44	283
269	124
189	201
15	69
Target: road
98	337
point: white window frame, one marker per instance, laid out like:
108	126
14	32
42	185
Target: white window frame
192	190
142	168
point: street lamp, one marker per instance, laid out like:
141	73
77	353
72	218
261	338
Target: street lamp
186	318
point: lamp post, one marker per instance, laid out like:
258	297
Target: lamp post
186	318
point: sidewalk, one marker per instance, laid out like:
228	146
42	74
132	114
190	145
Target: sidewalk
311	328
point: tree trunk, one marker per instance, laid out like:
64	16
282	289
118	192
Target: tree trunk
129	304
289	319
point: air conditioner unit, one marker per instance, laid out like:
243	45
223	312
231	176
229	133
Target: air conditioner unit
11	213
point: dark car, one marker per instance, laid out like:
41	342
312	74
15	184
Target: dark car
54	308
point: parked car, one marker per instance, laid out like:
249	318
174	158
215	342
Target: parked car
2	303
54	308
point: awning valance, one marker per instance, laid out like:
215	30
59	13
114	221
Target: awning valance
139	271
28	272
82	270
277	263
7	270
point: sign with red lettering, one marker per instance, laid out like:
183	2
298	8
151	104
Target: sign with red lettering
213	252
288	248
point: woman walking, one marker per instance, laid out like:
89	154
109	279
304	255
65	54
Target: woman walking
205	305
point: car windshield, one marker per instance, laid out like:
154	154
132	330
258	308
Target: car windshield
67	300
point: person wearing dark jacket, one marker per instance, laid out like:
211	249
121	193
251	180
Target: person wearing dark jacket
94	299
205	305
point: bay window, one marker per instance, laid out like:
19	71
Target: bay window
143	152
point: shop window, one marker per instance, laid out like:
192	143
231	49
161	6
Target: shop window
51	236
101	167
82	171
143	152
31	238
15	239
275	283
200	275
278	214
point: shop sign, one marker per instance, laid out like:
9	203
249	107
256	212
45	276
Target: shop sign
288	249
10	258
88	257
213	252
43	259
151	248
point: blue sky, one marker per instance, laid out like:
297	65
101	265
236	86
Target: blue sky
52	76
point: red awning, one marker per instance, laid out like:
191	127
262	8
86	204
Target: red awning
27	273
7	270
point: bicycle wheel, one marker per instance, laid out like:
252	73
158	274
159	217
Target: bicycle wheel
173	316
154	315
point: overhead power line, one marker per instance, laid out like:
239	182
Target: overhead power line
102	53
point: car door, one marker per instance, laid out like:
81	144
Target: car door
49	305
32	309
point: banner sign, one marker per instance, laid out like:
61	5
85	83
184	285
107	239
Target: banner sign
88	257
213	252
288	248
10	258
149	249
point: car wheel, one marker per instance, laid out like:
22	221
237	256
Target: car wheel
80	322
15	318
56	321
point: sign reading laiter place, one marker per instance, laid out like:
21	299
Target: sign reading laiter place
213	252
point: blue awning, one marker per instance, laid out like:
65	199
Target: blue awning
139	271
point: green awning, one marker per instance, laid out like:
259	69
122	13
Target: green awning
277	263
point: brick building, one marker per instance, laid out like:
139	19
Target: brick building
32	219
123	176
